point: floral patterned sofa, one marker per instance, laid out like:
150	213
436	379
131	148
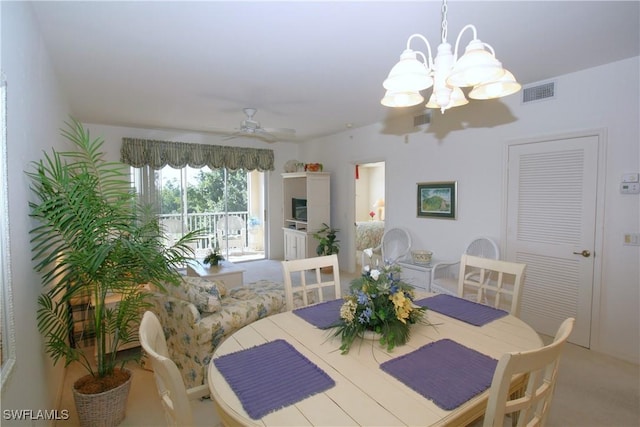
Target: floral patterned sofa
200	313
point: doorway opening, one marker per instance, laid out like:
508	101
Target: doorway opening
370	206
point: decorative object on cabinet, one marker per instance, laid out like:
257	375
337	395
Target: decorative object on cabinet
437	199
421	256
444	276
313	167
293	166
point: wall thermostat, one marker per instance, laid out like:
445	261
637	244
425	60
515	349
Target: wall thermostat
630	184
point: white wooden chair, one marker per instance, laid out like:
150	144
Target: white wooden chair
491	282
231	233
530	406
444	274
395	246
174	395
305	277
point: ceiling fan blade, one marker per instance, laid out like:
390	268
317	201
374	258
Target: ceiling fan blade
280	130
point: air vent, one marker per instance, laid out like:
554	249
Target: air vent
539	92
422	119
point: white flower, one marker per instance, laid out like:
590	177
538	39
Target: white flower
367	268
369	252
375	274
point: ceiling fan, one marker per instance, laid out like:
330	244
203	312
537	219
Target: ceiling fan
250	127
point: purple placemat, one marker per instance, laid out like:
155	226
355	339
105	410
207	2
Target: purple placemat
271	376
444	371
462	309
323	315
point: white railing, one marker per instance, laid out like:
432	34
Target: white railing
206	222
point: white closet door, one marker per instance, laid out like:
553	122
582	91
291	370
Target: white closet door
551	219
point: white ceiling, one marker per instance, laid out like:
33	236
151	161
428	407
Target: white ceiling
317	67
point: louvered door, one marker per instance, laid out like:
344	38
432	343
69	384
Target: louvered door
551	214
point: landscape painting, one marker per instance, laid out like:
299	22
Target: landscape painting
437	199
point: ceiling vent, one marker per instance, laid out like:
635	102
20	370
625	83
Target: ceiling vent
422	119
539	92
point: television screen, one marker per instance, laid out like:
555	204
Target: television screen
299	209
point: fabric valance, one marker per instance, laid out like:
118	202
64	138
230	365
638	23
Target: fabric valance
158	154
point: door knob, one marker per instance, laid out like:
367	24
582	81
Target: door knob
584	253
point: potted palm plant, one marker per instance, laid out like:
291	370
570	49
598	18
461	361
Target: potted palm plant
93	239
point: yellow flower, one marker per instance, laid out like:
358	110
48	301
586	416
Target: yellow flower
402	306
348	310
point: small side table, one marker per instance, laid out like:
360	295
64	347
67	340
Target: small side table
418	275
229	273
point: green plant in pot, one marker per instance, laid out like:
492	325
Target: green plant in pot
327	242
214	257
94	240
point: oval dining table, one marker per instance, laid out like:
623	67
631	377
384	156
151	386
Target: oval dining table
363	393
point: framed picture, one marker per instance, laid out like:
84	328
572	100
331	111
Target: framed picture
437	199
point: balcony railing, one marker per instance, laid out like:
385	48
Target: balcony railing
209	223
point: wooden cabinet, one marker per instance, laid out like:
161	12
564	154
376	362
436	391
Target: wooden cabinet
314	188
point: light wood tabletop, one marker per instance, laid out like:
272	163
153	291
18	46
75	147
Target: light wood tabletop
363	393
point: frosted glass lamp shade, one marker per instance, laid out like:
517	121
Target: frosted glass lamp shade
476	66
408	75
401	99
506	85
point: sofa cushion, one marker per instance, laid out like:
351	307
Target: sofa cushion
205	294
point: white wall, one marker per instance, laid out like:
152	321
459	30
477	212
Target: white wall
36	111
467	145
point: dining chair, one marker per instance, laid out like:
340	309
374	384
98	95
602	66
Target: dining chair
174	395
307	279
444	274
530	405
491	282
394	246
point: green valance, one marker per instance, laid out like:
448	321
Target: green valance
158	154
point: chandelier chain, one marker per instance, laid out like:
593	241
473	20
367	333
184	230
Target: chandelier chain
444	21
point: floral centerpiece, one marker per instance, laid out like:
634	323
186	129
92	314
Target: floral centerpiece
381	303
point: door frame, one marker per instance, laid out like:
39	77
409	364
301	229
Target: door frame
601	134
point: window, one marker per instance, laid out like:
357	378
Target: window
226	205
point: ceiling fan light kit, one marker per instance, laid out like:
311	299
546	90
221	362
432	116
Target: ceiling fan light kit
477	68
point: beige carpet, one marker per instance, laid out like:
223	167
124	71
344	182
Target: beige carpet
593	390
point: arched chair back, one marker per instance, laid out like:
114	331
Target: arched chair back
173	393
540	368
444	274
395	246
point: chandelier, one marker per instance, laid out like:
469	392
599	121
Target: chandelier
478	67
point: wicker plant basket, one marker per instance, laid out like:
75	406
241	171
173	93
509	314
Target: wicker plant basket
106	409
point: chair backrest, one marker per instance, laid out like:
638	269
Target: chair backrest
396	245
235	224
491	281
541	366
304	277
483	247
169	383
